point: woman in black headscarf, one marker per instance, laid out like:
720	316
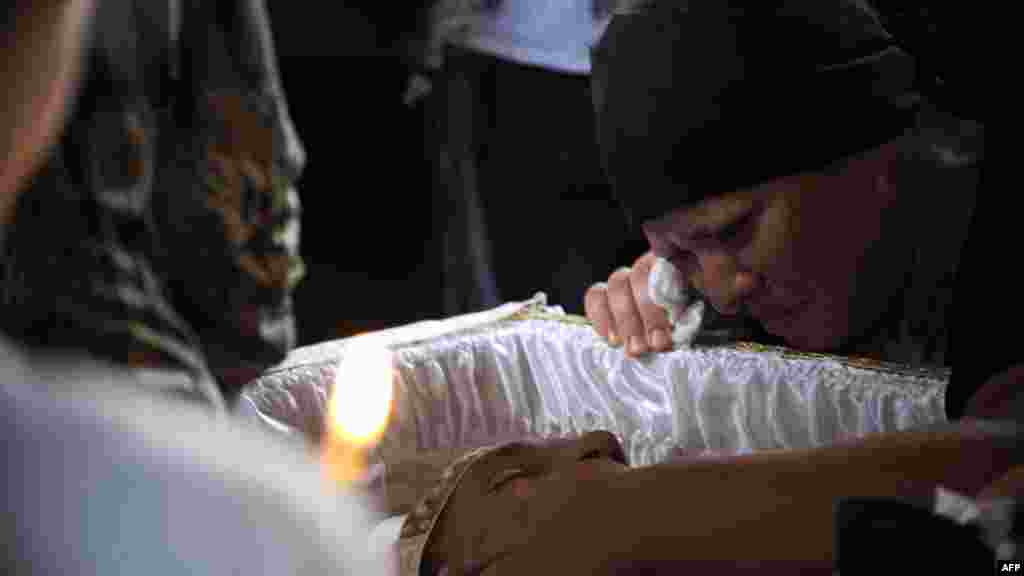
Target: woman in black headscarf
800	165
765	139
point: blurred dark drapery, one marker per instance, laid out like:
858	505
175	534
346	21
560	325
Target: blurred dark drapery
365	191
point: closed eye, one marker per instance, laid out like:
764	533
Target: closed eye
505	477
728	235
730	232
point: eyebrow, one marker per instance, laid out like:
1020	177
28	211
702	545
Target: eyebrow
515	449
512	450
716	228
711	227
483	473
712	217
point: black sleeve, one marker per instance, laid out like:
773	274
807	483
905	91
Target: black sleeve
987	310
956	71
946	40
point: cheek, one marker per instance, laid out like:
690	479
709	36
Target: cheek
819	328
802	250
803	260
825	322
774	248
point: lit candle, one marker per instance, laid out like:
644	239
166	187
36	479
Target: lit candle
358	411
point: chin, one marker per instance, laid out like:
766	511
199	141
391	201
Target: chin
809	336
812	344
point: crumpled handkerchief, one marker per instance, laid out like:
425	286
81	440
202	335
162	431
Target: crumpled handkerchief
667	288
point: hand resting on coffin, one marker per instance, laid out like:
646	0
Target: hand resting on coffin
623	312
651	308
548	510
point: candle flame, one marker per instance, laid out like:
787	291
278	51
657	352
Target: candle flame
361	399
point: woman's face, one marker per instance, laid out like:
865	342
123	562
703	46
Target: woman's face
799	254
497	487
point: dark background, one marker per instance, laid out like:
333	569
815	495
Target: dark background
368	264
371	265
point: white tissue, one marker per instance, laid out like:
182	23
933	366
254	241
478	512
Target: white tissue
956	507
667	288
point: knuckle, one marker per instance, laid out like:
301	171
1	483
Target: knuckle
619	276
640	279
596	291
645	262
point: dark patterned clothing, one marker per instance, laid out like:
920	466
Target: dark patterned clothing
164	228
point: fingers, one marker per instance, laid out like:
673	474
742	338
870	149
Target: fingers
629	325
595	303
657	328
622	311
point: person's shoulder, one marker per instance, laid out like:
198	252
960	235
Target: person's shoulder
121	474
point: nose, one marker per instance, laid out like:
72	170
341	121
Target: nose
660	242
599	445
724	282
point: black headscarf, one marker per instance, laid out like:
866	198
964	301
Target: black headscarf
709	96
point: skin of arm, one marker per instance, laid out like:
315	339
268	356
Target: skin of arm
41	59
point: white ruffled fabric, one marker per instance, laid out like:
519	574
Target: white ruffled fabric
542	378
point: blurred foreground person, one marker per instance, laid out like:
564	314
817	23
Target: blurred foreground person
113	480
103	475
161	232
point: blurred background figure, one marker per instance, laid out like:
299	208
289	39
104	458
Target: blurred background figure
343	72
520	201
161	233
377	216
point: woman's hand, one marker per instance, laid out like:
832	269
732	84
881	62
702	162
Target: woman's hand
622	311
